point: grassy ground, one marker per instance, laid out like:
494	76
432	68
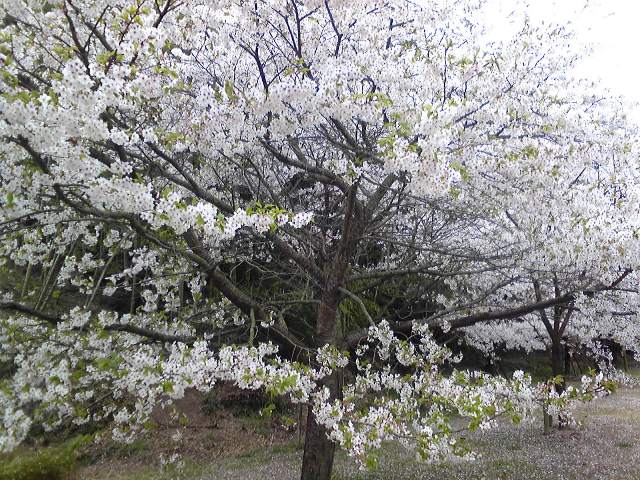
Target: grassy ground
606	446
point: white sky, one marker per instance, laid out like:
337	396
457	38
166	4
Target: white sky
611	28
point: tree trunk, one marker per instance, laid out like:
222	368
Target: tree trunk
317	460
567	360
557	364
557	361
319	451
546	419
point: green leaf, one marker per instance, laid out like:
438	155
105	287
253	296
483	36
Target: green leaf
104	57
167	386
228	89
268	410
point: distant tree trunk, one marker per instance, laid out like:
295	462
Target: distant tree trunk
557	361
556	369
557	364
567	360
546	419
501	369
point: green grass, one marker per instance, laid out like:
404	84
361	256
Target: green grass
624	445
189	470
260	425
258	456
138	448
286	448
49	463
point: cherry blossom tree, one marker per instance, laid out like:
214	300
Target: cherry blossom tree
207	190
594	273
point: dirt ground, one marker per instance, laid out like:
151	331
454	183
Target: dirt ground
606	446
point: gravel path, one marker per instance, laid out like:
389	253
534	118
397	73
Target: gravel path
607	446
